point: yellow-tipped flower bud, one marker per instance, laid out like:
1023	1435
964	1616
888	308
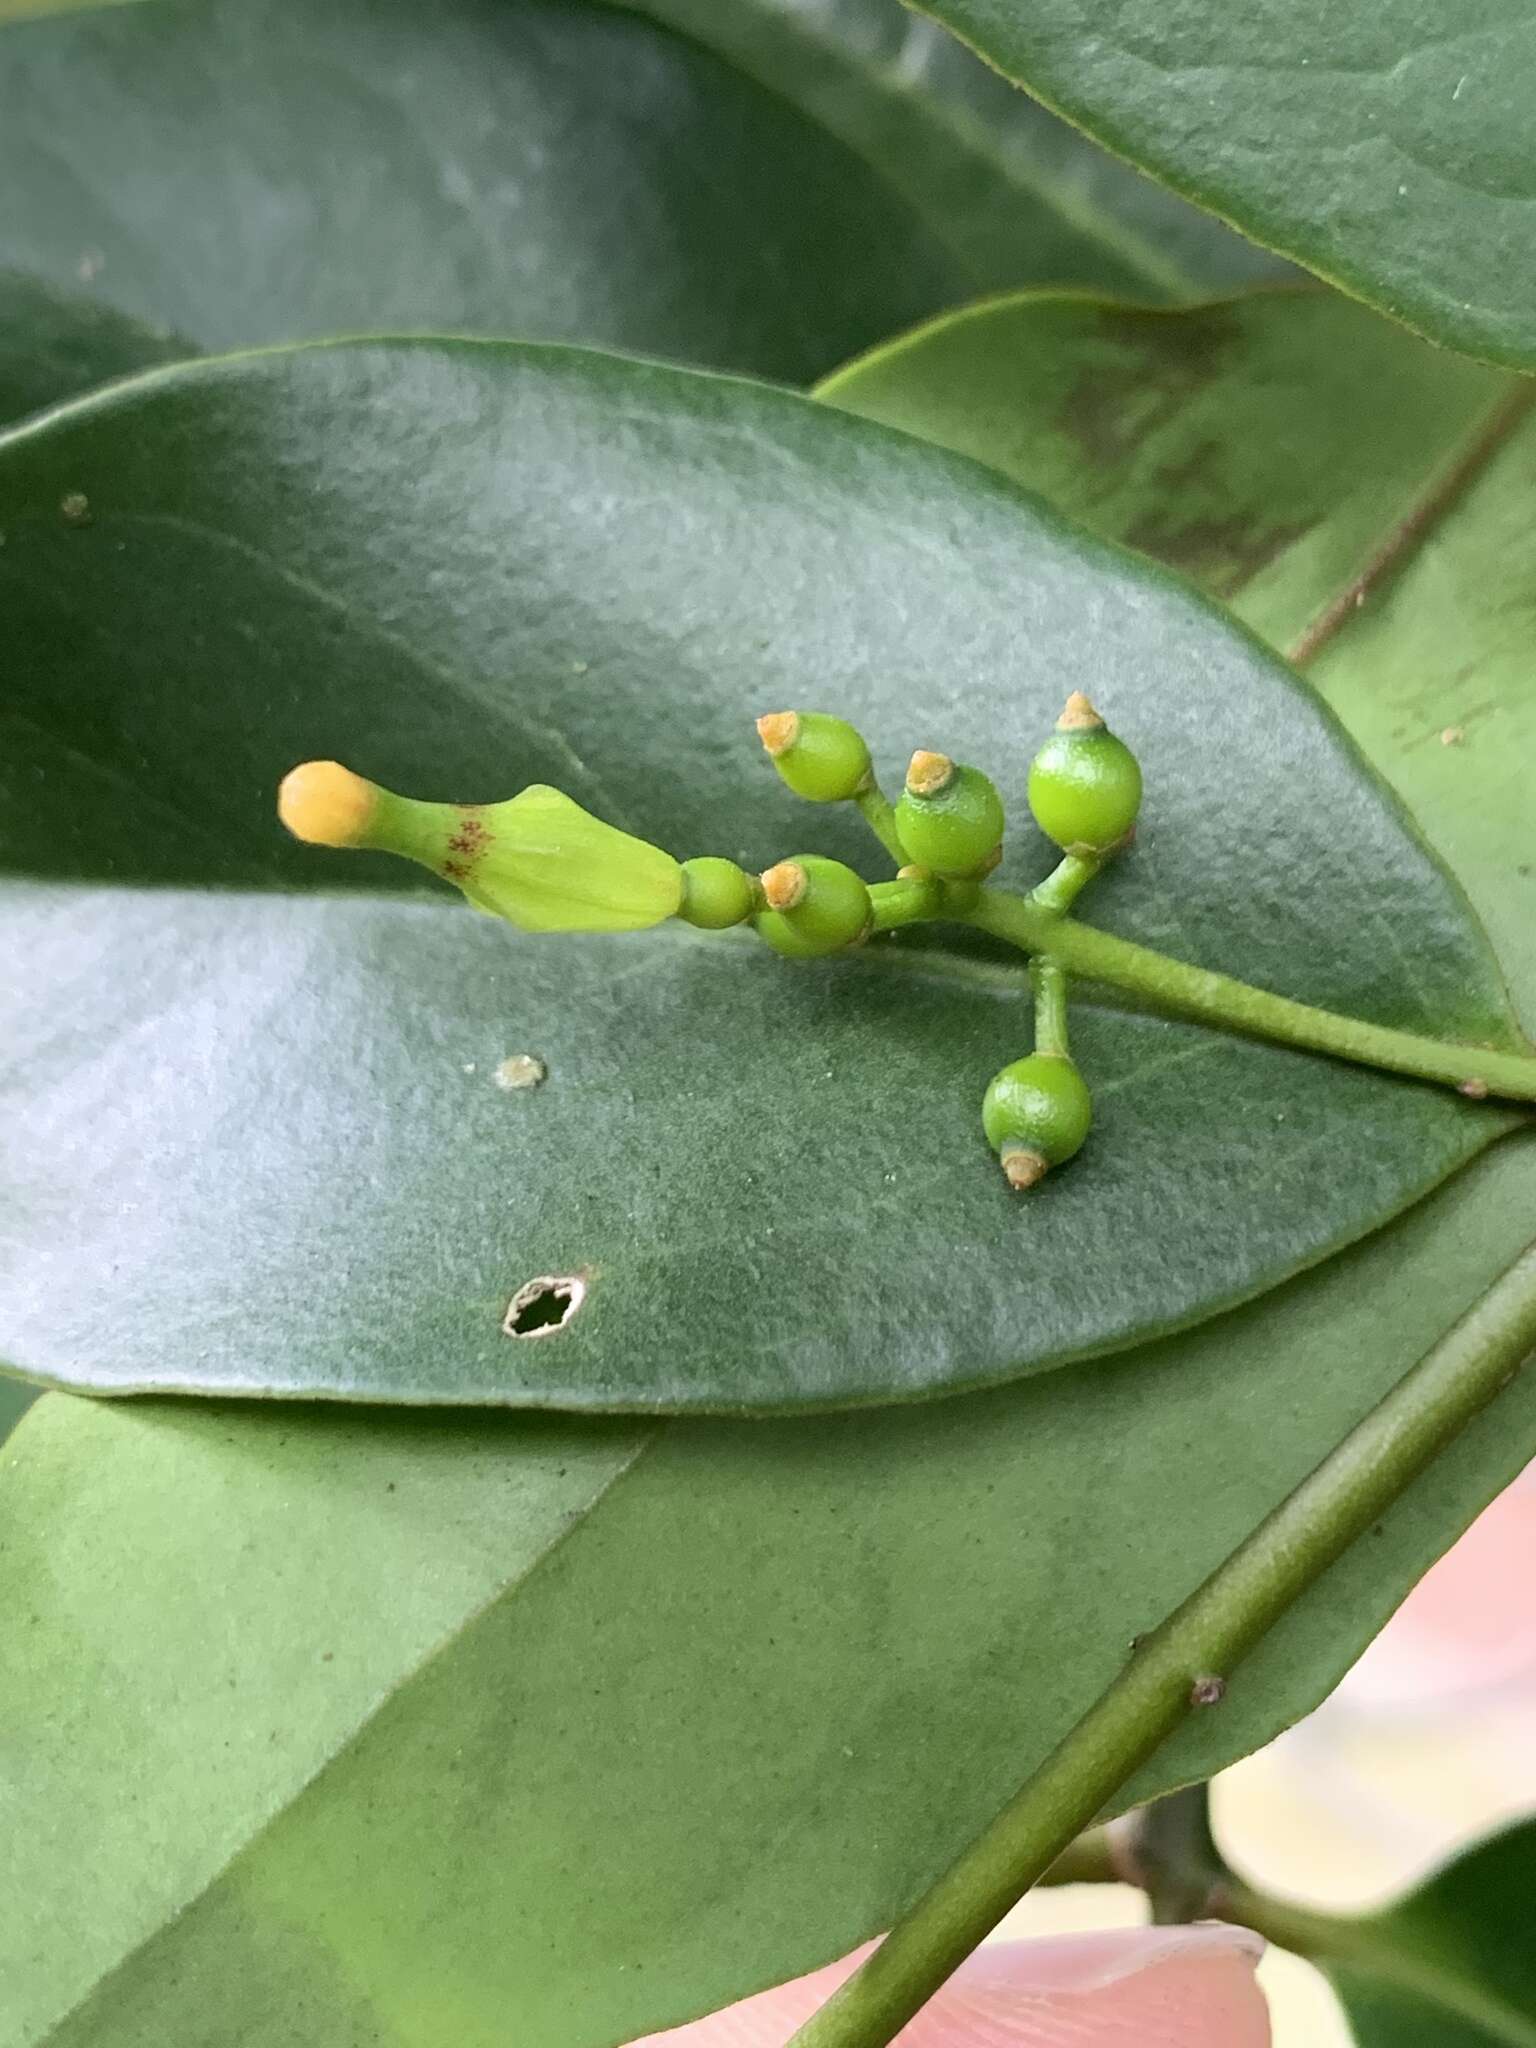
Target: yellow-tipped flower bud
821	758
326	804
538	860
949	818
814	906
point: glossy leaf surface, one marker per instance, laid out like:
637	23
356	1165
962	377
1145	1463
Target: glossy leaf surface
1358	498
1452	1965
256	1142
54	344
380	1751
1019	196
1385	147
248	171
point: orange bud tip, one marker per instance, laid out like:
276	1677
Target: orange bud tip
928	773
1023	1167
1474	1089
1078	715
913	873
785	885
325	803
778	731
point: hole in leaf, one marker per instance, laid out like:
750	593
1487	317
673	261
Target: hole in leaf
545	1305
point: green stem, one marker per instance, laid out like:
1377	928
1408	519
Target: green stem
1218	999
1183	1665
1174	1856
910	899
1371	1947
1067	881
1050	1007
1089	1858
1368	1946
880	817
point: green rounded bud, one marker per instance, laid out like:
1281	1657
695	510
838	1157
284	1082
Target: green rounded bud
1036	1114
821	758
814	906
1084	784
716	893
949	819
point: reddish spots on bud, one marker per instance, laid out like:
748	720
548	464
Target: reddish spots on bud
471	838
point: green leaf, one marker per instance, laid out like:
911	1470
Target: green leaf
406	1702
14	1401
1358	497
1351	493
1451	1966
246	171
1385	147
1019	196
55	344
256	1145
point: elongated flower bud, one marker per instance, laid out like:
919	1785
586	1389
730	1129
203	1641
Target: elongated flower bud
949	818
814	906
821	758
538	860
1036	1114
1084	784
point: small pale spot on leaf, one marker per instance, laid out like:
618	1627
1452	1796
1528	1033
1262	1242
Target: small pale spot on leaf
519	1070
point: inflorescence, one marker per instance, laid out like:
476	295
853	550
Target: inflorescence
544	864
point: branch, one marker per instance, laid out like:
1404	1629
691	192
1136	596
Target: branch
1184	1665
1235	1006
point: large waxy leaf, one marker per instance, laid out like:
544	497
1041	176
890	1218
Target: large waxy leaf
1018	195
14	1399
1361	500
1386	147
406	1703
255	170
55	344
255	1145
1453	1964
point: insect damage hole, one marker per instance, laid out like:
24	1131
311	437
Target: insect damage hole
542	1306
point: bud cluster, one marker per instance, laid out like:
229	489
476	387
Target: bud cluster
546	865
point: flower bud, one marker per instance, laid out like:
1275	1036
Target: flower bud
948	818
717	893
814	906
1036	1114
820	757
1084	784
539	860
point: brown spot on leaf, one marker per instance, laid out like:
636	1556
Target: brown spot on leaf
1143	370
1223	553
